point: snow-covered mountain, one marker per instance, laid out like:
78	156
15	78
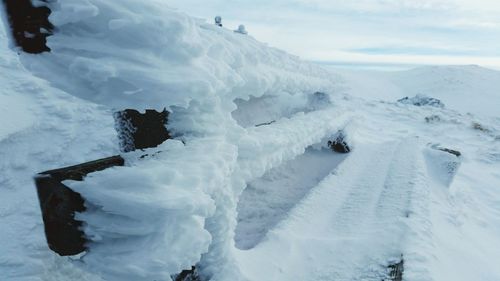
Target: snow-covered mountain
467	88
248	187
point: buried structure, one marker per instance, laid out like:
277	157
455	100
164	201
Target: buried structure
339	143
29	24
59	203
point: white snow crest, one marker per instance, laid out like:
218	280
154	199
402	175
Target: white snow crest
144	54
147	222
72	11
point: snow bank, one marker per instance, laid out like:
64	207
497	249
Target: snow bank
177	208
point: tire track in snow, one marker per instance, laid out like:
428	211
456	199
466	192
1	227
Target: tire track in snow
350	227
363	195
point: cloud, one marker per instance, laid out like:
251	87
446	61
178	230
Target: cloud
453	30
380	5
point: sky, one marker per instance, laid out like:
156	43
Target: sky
409	32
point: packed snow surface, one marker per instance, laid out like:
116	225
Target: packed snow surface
248	189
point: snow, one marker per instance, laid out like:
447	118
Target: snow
150	217
359	228
191	60
267	200
469	88
248	190
156	216
42	128
422	100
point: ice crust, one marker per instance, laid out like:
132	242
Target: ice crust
146	55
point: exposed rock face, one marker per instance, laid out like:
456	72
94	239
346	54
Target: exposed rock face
422	100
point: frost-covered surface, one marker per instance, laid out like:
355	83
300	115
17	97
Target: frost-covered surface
144	54
394	195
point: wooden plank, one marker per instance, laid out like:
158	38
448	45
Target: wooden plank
29	25
59	204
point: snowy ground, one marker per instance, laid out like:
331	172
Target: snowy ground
394	195
268	200
245	202
467	89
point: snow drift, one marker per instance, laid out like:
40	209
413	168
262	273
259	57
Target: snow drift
241	114
156	216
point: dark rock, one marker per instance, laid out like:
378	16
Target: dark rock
59	203
479	127
188	275
265	124
318	100
141	130
339	144
432	119
451	151
29	25
396	271
422	100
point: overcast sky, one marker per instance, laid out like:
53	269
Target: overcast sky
378	31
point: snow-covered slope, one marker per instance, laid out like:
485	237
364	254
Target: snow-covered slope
249	189
469	88
394	196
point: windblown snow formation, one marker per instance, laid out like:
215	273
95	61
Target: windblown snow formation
158	215
244	184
